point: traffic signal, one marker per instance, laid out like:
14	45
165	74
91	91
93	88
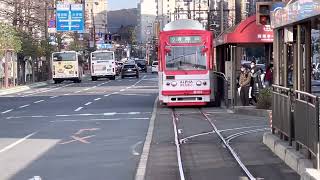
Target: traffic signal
263	13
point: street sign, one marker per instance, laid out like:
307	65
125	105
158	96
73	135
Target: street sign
69	17
104	46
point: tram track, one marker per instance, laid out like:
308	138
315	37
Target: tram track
179	140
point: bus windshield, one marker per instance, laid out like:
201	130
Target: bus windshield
64	57
185	58
102	56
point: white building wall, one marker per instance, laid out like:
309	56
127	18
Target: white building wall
148	14
97	10
198	9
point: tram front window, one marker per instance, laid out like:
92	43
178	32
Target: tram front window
186	58
64	57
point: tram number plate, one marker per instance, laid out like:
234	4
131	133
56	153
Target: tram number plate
186	83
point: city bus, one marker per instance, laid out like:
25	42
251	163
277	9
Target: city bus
186	64
103	65
67	65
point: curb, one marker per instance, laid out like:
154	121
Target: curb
23	88
251	111
294	159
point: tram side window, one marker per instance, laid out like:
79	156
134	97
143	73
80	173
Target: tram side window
185	58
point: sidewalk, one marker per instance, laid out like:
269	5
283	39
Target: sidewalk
204	157
23	88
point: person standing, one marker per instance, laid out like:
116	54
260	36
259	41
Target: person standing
269	76
256	83
244	82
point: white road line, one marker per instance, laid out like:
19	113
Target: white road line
106	95
134	147
77	92
141	170
24	106
122	90
88	103
48	90
97	99
139	81
38	101
91	120
7	111
63	115
16	143
110	114
53	97
66	94
94	86
78	109
87	89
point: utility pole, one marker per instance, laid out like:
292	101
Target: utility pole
222	15
194	9
93	28
46	36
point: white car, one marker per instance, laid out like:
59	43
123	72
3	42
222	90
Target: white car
154	67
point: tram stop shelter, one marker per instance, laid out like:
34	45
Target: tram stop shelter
295	106
232	49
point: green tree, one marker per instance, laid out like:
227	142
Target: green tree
9	38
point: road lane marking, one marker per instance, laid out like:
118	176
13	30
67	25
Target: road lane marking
134	147
77	115
134	95
141	170
78	109
7	111
80	139
122	90
97	99
16	143
66	94
48	90
53	97
94	86
38	101
88	103
138	81
77	92
24	106
92	120
87	89
106	95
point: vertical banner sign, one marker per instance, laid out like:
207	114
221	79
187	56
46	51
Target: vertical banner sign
70	17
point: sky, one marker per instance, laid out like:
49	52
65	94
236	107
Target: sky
121	4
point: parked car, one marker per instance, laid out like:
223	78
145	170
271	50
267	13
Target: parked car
154	68
130	70
142	64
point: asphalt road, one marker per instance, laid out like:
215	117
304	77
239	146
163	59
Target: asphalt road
97	130
70	131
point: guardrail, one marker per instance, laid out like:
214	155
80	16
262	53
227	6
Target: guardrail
306	119
281	112
295	117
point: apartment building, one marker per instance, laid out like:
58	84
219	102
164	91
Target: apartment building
192	9
96	17
147	10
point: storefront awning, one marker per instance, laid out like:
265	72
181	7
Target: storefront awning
246	32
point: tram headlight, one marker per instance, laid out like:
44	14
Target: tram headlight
204	83
174	83
198	83
168	83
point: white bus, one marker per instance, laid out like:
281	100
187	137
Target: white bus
103	65
67	65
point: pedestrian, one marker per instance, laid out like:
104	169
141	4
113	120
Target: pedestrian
269	76
256	83
244	83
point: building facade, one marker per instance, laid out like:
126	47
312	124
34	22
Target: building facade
195	9
96	17
227	13
147	10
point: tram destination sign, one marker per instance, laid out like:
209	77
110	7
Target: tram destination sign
185	39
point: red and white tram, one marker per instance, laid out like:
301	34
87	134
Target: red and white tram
185	64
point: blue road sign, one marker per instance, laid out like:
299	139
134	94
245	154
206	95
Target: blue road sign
70	17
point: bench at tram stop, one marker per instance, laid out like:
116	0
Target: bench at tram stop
294	121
